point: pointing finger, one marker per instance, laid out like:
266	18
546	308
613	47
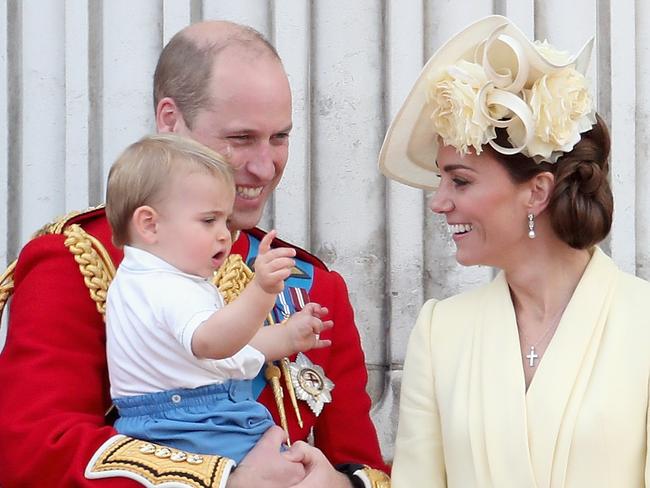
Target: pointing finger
265	244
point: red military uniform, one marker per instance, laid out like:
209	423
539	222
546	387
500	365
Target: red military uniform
53	375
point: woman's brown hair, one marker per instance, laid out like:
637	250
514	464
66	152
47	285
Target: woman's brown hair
581	205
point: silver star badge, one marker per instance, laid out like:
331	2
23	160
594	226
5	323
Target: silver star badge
310	383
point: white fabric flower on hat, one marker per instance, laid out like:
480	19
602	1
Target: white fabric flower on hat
456	114
562	109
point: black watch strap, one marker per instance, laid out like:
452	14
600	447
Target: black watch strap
348	470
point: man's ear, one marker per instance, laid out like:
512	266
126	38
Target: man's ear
169	118
541	190
144	225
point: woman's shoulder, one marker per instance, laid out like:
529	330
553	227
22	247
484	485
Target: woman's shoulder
468	298
458	311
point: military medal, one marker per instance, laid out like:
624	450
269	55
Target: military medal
310	383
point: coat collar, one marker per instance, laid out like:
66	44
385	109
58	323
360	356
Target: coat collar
537	424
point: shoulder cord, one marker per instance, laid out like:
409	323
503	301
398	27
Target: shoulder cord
232	277
94	263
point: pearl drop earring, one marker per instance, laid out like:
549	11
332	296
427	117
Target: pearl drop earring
531	226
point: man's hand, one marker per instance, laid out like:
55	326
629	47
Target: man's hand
318	470
265	466
304	328
273	266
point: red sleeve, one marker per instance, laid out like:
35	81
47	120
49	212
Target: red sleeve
344	431
53	374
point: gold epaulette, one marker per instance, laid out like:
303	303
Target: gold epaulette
155	465
56	226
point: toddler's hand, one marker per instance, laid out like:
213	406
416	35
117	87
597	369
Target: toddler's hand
304	328
273	266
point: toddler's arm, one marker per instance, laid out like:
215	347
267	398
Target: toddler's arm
228	330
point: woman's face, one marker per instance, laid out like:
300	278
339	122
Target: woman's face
485	210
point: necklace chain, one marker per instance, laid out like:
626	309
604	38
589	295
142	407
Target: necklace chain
532	355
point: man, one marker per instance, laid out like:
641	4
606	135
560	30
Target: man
223	85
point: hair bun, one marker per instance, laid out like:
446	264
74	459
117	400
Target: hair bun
590	177
582	204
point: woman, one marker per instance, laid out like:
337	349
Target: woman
540	378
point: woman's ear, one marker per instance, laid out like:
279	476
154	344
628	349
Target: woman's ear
144	225
541	189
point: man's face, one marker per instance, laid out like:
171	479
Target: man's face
249	122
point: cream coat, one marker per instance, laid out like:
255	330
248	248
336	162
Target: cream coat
467	421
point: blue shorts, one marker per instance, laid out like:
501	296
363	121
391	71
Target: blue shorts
221	419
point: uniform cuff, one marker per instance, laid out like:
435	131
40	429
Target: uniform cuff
362	476
153	464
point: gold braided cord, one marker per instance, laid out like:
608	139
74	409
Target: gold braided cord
6	286
232	277
94	263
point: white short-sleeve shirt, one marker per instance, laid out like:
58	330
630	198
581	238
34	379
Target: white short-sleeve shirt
152	311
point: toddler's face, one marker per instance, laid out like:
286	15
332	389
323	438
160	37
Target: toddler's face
192	226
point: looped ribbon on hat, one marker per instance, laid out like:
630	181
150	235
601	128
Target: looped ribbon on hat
503	89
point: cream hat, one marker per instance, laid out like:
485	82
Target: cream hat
486	77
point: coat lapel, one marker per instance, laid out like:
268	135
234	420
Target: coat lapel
497	404
555	394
